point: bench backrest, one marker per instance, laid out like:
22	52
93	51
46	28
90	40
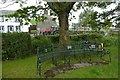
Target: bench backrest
54	50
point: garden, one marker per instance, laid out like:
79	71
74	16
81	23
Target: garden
83	48
19	54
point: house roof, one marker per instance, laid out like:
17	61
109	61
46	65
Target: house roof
5	12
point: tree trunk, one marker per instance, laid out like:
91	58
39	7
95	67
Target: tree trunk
63	10
63	28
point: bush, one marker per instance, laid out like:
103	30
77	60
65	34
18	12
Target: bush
75	38
110	40
88	37
54	39
15	45
40	42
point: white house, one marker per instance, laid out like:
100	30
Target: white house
10	24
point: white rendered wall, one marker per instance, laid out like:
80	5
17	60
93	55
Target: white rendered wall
23	28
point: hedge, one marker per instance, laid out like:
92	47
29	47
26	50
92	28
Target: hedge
40	42
20	45
92	37
77	38
15	45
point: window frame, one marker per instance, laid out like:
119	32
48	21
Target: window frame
10	28
18	28
1	18
1	28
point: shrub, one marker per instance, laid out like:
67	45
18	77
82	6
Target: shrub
110	40
89	37
15	45
75	38
40	42
54	39
95	37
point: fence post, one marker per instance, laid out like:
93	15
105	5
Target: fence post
69	47
38	62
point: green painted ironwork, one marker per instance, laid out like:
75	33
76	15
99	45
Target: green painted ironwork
85	49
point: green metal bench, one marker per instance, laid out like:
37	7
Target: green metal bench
84	49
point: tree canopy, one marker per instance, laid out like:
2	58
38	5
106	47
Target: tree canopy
96	20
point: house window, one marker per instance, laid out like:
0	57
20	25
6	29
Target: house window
1	19
6	19
1	28
16	20
10	28
18	28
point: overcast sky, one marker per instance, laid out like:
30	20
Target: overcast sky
15	6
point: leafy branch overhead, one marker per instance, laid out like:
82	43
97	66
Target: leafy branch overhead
29	13
35	12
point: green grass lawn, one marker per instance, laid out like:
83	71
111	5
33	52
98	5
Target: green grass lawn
22	68
0	69
26	68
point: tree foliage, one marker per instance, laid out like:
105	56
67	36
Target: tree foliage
111	16
88	19
96	20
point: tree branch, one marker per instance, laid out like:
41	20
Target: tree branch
58	7
69	6
52	7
